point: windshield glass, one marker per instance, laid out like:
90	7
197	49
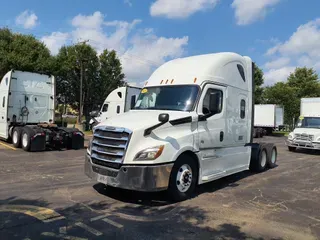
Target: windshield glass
309	122
178	98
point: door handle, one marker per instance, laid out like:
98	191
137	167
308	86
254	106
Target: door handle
221	136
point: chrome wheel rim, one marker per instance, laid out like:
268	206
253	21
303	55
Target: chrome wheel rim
273	156
15	137
263	158
184	178
25	140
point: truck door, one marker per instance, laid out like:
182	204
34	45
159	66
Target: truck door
3	115
212	131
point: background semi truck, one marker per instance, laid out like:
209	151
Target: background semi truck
118	101
27	113
267	118
192	123
307	132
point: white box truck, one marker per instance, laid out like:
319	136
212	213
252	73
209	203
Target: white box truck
192	124
27	113
267	118
307	132
120	100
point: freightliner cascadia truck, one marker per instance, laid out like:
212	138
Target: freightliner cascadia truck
192	124
27	113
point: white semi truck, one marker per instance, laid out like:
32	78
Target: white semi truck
27	113
267	118
192	124
307	132
117	102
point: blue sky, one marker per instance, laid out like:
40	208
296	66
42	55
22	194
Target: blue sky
278	35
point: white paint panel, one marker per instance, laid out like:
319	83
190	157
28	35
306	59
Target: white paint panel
310	107
264	115
34	91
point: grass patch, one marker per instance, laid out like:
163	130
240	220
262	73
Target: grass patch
283	133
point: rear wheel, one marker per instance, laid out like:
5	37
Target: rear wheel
272	159
16	137
26	136
183	178
259	162
292	149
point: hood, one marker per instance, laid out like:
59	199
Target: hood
309	131
141	119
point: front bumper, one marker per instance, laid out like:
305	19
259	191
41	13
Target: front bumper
140	178
303	144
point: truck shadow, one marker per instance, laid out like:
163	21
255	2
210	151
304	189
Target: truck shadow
157	199
307	151
184	223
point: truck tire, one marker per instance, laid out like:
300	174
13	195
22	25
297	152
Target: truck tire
183	178
292	149
27	134
272	158
16	137
258	162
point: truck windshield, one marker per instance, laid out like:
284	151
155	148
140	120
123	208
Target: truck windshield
309	122
178	98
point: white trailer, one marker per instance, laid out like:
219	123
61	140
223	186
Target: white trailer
120	100
27	113
307	132
267	118
192	124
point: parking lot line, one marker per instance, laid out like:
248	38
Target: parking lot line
118	225
41	213
89	229
99	217
7	146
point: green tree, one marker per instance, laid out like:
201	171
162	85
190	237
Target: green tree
110	71
101	75
303	82
23	52
258	81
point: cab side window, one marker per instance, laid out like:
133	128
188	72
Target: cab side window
212	102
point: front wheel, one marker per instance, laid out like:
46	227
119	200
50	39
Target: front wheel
183	178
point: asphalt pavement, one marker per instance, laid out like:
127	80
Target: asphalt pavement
47	196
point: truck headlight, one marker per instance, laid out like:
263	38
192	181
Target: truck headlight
89	147
149	153
290	136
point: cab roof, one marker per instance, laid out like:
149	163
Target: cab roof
219	67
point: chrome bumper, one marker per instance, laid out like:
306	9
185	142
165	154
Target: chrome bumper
303	144
140	178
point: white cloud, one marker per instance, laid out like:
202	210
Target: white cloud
180	8
149	51
302	48
128	2
249	11
278	63
306	40
277	75
55	41
27	19
93	21
140	53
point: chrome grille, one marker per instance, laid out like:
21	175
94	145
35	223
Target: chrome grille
303	137
109	146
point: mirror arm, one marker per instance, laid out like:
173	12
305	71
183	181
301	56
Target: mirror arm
150	129
204	117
